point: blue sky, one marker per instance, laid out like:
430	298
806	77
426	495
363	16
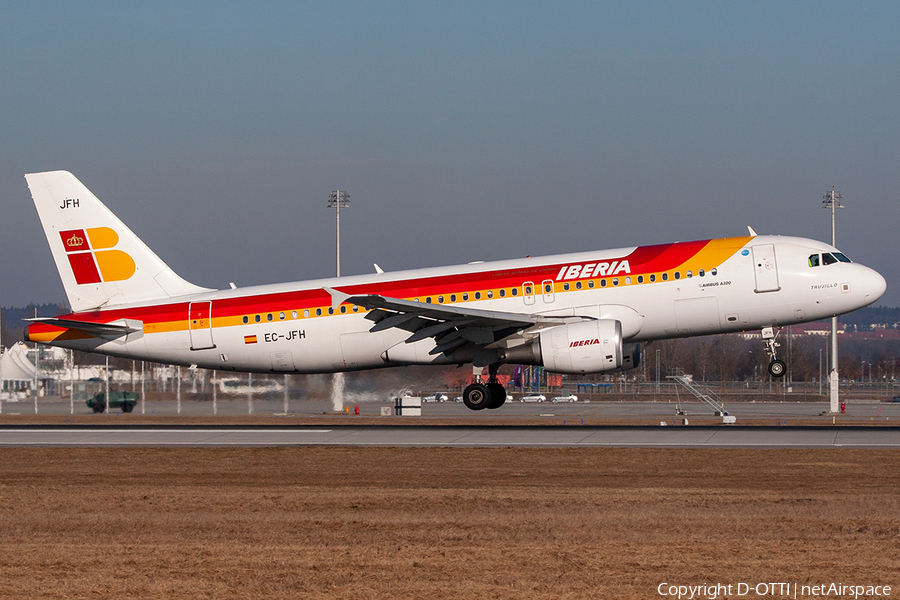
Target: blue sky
462	130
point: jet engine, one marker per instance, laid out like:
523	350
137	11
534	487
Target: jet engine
586	347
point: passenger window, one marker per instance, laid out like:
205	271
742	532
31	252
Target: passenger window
293	314
577	285
440	299
318	312
257	318
591	284
665	276
566	286
814	260
828	259
615	281
281	316
652	277
548	288
677	274
602	283
528	290
714	272
478	295
246	319
466	296
515	291
502	293
452	297
343	308
640	279
490	293
306	314
690	274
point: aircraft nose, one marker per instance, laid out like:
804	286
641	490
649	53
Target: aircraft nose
874	285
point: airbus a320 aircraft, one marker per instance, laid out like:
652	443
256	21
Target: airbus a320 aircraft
571	313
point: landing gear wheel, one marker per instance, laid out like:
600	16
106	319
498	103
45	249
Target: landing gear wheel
777	368
498	395
477	396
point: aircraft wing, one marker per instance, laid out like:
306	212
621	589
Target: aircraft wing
451	326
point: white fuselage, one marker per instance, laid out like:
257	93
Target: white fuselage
756	282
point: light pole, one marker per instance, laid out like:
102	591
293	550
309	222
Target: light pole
832	200
337	200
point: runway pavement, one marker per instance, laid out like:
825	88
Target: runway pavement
515	424
452	437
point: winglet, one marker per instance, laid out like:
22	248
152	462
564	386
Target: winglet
753	233
378	269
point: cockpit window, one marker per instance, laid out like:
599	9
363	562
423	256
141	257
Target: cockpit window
827	258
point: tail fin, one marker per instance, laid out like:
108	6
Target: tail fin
100	261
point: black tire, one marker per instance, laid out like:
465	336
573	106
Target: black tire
498	395
477	396
98	407
127	407
777	368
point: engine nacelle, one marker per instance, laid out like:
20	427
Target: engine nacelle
586	347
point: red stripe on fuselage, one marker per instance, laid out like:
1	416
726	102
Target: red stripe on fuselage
644	259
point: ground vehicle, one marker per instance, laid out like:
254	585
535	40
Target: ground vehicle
123	400
435	397
533	398
566	398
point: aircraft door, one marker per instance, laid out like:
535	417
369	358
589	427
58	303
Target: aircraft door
547	290
528	292
200	325
282	361
765	268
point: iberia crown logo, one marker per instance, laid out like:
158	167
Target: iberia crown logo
92	257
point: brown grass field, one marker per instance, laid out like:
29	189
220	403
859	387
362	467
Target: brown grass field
440	523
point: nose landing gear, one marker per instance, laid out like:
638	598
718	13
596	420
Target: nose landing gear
777	367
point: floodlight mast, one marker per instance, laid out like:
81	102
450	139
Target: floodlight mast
336	200
832	200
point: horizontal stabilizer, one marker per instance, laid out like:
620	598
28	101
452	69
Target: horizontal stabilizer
117	329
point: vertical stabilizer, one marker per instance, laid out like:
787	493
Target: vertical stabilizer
100	261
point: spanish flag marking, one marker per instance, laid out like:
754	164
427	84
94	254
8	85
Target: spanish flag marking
249	339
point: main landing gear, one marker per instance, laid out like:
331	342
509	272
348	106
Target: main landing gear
481	395
777	367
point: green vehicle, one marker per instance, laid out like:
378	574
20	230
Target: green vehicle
123	400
